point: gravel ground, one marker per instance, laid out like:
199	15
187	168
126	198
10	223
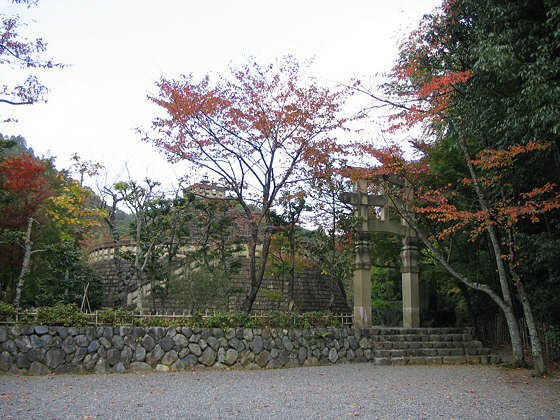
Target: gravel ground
331	392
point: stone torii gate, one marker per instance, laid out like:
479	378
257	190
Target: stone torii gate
361	202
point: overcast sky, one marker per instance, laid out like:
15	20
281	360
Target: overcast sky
118	49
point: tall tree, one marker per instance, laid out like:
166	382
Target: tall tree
468	74
256	132
23	178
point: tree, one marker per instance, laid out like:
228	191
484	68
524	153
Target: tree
477	73
23	178
256	133
332	247
208	257
138	199
20	53
286	256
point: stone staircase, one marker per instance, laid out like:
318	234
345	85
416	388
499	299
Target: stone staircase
399	346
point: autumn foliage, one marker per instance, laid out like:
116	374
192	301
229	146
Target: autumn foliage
24	178
257	132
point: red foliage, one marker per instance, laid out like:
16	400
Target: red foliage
25	179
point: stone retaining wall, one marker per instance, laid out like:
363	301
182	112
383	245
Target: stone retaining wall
42	350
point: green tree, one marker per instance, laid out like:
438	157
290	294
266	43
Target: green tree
479	74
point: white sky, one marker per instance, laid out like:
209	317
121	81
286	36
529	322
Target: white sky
118	49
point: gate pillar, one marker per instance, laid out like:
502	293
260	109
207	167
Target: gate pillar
410	285
361	280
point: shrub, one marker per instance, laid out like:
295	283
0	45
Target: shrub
7	312
62	314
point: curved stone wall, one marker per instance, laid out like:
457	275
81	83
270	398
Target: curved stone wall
311	289
43	350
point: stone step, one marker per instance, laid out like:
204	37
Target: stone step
439	360
399	346
421	337
412	331
402	345
423	352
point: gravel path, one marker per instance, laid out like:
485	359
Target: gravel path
331	392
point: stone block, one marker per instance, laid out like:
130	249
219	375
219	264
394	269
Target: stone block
102	366
105	343
257	345
287	343
126	354
22	362
37	368
73	331
140	354
47	340
69	345
79	355
263	358
177	366
190	360
180	340
213	342
333	355
302	354
93	346
54	357
81	340
119	367
40	330
5	361
139	366
113	356
162	368
108	333
473	360
169	358
195	349
118	342
208	357
131	341
454	359
166	343
23	343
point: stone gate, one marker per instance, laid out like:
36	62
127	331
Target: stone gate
361	202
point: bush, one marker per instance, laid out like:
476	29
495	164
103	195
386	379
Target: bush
62	314
7	312
69	315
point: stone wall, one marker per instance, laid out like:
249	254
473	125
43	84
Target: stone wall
311	289
42	350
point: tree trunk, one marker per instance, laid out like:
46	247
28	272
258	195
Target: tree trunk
25	264
137	270
256	275
517	347
122	280
536	346
513	325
